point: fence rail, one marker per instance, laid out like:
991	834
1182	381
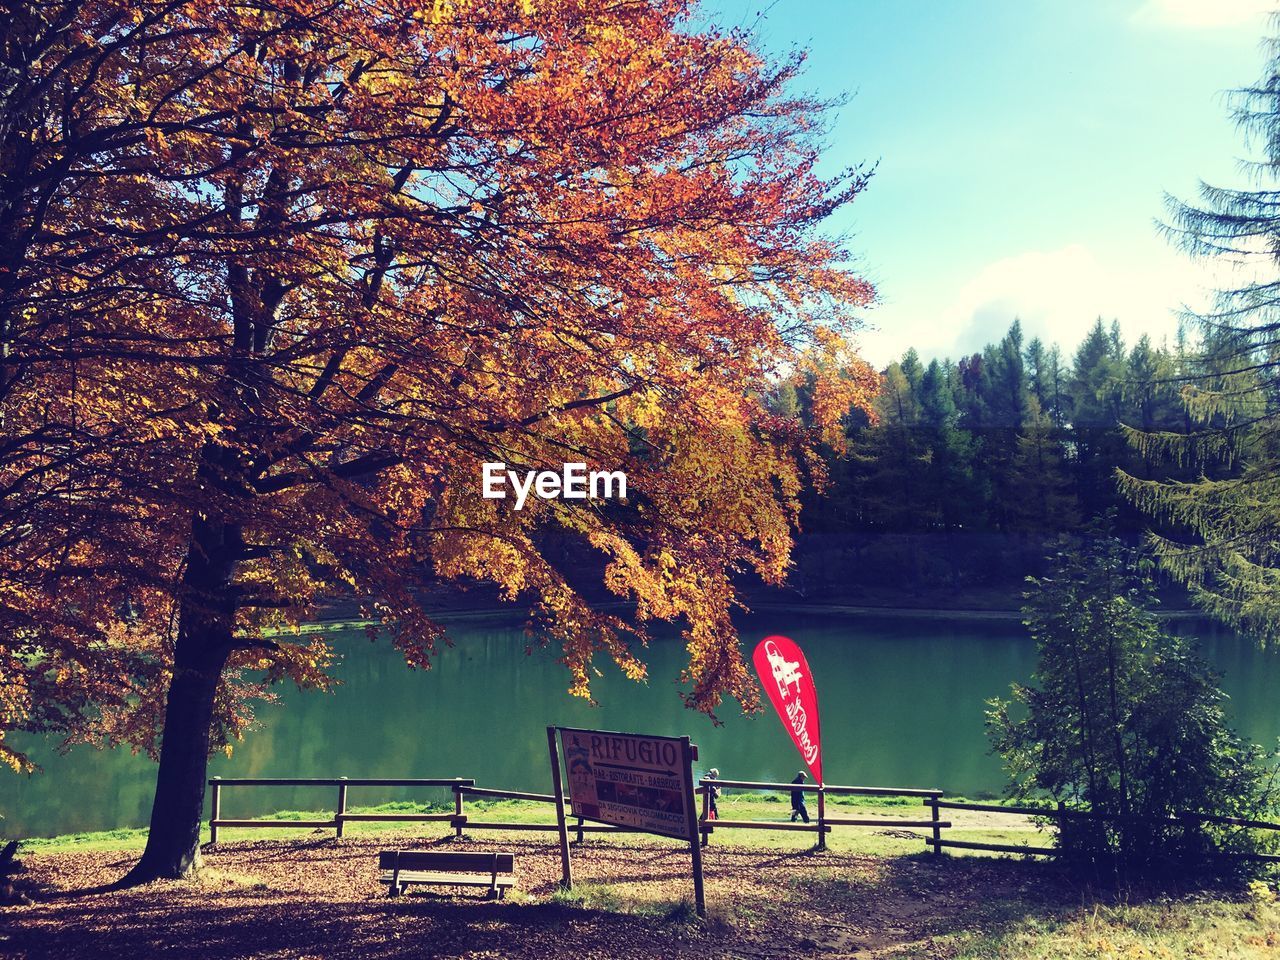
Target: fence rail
340	814
462	788
1061	813
820	788
823	824
463	820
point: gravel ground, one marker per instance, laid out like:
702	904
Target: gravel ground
320	898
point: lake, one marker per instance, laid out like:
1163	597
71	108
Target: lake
901	702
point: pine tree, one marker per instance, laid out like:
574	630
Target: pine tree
1046	500
952	490
1222	530
1125	720
1095	408
888	462
1004	392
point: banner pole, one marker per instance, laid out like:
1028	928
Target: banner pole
566	881
822	816
695	845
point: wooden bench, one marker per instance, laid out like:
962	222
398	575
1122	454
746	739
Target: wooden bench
446	867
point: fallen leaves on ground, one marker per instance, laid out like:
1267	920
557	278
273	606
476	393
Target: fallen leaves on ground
320	897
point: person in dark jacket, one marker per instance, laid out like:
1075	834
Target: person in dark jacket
798	809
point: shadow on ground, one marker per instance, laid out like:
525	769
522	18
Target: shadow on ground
322	899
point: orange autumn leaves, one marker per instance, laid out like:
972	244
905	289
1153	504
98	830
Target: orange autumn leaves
300	268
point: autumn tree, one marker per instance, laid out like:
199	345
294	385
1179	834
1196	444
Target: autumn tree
291	272
68	273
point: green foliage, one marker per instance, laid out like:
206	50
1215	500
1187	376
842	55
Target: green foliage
1220	527
974	467
1125	721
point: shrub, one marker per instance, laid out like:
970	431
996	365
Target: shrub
1125	721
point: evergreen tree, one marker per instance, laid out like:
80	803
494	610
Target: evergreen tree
1005	403
1222	530
1037	363
1046	500
1055	386
955	495
1094	398
888	462
1125	721
912	369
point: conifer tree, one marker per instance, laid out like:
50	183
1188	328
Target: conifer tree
1046	500
1221	530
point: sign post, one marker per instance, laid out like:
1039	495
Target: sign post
566	865
695	846
641	782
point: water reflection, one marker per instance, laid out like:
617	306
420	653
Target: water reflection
901	702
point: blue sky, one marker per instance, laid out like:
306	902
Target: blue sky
1024	150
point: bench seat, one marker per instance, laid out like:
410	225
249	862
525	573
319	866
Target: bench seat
493	871
445	878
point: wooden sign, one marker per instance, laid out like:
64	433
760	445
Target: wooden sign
631	780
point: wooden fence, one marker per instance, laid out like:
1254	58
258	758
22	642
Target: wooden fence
462	788
458	819
821	824
464	820
1061	813
340	814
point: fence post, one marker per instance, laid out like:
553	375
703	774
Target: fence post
215	811
457	811
822	817
937	830
580	823
342	805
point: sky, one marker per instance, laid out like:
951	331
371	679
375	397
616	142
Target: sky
1024	153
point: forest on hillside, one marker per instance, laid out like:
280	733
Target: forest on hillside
971	470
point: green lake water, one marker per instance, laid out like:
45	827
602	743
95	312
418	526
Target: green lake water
901	703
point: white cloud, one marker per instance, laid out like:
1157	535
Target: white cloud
1057	294
1202	13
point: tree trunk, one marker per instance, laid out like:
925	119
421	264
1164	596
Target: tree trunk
173	841
206	621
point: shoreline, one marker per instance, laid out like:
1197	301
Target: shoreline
336	622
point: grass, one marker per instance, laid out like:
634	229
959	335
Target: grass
1163	930
621	898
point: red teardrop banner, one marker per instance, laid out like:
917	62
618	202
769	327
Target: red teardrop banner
788	681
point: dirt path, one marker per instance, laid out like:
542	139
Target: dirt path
321	899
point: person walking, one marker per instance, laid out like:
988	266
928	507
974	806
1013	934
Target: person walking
713	810
798	809
713	794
